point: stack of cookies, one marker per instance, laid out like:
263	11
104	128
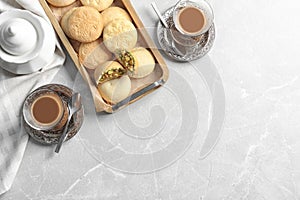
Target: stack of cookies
106	41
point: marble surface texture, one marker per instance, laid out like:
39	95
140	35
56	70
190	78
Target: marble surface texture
126	155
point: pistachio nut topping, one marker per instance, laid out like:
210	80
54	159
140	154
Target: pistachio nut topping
111	74
126	59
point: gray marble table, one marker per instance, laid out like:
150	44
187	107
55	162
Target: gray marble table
152	149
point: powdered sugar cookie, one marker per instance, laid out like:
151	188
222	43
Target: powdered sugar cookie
120	34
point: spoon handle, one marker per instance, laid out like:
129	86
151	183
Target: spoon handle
63	135
163	21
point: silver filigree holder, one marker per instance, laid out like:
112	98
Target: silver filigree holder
202	46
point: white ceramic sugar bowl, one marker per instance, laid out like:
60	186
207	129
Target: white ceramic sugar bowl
27	42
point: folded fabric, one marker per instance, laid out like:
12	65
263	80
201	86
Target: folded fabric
13	91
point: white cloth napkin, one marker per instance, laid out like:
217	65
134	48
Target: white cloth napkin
13	91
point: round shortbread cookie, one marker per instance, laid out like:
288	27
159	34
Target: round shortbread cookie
60	3
59	12
144	62
85	24
98	4
75	44
120	34
93	54
64	21
114	12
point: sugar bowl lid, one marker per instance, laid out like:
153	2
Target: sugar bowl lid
21	36
17	36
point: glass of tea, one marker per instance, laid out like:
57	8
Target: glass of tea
45	110
191	19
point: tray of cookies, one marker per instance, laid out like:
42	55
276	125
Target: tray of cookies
110	47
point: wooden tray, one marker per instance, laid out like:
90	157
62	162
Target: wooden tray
140	87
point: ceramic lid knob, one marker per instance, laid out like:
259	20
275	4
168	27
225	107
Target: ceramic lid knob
18	36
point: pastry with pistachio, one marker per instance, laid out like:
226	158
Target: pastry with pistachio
126	59
112	82
138	62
